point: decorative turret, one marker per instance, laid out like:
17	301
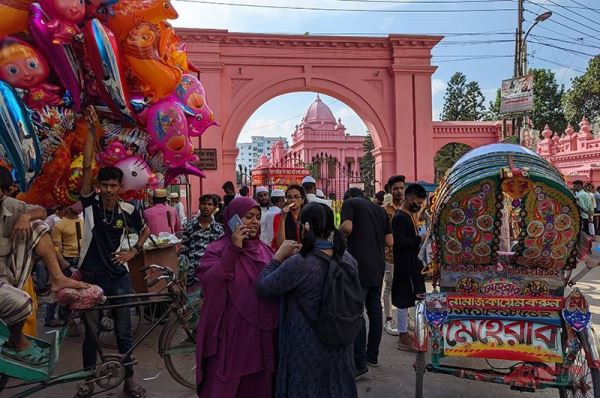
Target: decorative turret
585	130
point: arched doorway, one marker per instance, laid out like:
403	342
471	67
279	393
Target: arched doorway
446	156
316	134
387	81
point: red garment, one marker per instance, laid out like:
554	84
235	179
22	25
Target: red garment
237	328
276	221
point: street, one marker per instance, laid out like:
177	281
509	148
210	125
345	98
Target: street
393	378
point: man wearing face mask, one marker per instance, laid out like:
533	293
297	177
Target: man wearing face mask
408	281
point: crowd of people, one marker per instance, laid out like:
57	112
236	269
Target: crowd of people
284	288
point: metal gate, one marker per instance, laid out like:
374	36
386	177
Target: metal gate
332	176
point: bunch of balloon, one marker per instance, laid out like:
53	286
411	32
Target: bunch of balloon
58	57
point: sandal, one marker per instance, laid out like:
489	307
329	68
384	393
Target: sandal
32	355
136	392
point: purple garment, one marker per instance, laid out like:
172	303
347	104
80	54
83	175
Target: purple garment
235	337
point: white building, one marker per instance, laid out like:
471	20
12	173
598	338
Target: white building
250	152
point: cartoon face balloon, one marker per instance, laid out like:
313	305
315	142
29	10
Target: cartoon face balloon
21	65
191	93
136	173
128	13
64	16
142	52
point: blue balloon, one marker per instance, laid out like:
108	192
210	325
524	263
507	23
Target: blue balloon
18	138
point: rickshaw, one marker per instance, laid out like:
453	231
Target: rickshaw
501	298
176	345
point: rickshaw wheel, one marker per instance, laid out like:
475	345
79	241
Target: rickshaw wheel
419	374
586	381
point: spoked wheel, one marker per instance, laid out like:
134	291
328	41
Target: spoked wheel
419	374
153	312
178	346
585	381
106	332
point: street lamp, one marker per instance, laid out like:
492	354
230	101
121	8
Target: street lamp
538	19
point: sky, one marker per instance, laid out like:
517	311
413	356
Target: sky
479	41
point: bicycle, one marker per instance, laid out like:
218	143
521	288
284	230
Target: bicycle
176	345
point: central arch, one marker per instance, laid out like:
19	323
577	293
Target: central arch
386	81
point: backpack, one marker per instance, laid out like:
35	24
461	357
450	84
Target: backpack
341	314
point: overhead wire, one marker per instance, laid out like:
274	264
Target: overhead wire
368	10
564	16
564	25
596	10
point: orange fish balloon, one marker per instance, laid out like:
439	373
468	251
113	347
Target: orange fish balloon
128	13
142	53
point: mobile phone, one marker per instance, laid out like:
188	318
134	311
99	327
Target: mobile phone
234	222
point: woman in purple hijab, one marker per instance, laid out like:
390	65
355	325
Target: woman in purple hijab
236	333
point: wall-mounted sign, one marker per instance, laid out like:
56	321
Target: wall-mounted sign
207	159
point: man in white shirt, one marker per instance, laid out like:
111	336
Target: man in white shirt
278	201
310	187
176	203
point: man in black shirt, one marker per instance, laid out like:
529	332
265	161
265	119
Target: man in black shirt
108	224
408	280
367	229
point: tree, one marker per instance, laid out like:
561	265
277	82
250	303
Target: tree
547	101
447	156
462	101
367	166
583	98
493	109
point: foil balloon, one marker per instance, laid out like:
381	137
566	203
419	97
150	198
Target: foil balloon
76	177
142	53
18	138
15	16
167	126
63	59
128	13
105	62
192	95
136	173
64	15
24	67
112	153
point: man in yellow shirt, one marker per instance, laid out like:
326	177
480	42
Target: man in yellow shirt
66	235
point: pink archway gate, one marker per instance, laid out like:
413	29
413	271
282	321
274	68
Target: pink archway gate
386	81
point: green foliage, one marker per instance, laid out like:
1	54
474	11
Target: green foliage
367	166
463	101
446	157
583	98
493	110
547	101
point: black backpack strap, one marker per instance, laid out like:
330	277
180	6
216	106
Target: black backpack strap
329	260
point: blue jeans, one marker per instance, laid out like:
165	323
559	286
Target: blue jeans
121	319
369	351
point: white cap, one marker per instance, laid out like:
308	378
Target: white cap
320	194
277	193
262	189
308	180
174	195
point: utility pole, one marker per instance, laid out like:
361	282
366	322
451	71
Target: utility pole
518	72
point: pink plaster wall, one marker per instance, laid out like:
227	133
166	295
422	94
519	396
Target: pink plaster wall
386	81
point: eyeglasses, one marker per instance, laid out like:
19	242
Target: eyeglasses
294	197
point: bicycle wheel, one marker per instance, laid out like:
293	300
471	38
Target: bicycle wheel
178	348
106	332
585	380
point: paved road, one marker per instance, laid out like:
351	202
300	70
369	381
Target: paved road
394	378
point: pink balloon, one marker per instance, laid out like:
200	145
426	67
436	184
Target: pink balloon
64	15
167	126
137	174
63	59
190	92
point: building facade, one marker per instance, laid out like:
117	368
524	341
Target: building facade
250	152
